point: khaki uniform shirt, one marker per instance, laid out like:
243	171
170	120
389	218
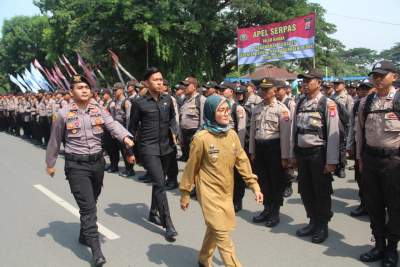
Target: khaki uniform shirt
382	130
83	130
211	163
190	116
314	121
268	122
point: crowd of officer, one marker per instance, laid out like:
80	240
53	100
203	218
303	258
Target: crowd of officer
310	134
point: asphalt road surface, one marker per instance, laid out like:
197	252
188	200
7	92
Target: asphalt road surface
39	227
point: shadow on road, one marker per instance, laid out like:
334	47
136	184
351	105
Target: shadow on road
136	213
66	234
174	255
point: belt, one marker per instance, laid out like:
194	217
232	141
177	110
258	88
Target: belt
84	158
270	142
306	151
307	131
381	152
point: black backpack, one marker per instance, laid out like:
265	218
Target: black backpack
321	109
367	110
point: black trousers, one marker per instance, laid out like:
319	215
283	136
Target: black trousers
315	186
239	187
157	167
19	123
12	122
343	153
381	185
187	136
44	128
357	177
86	180
268	167
2	120
36	135
173	170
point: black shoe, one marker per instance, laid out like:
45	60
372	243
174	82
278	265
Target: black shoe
170	232
288	191
193	193
390	259
238	206
98	257
306	231
262	217
201	265
113	170
320	234
340	173
99	261
154	218
359	211
171	185
373	255
127	173
272	221
147	180
143	177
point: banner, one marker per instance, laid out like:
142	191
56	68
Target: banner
286	40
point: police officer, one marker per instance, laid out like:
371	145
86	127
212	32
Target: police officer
341	96
118	113
2	113
191	114
363	90
154	116
179	94
209	88
284	96
378	152
83	122
132	95
237	122
269	149
315	144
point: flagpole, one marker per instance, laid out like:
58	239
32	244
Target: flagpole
315	36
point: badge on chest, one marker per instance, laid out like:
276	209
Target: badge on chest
213	152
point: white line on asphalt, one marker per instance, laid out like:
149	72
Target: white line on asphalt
102	229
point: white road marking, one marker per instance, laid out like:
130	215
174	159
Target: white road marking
102	229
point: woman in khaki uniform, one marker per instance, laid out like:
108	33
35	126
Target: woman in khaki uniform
214	153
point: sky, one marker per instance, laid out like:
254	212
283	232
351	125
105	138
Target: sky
350	16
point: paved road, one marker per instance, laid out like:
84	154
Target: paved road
37	231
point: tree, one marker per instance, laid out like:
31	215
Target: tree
392	54
22	41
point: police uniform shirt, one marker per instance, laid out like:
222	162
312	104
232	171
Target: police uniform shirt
155	119
42	108
128	106
313	121
269	122
83	130
382	130
252	101
190	116
346	100
117	112
241	121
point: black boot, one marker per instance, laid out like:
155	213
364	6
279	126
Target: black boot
391	257
308	230
170	232
273	220
98	257
320	233
376	253
263	216
288	191
359	211
171	185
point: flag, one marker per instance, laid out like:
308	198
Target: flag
65	67
30	80
118	65
69	65
22	82
58	80
61	75
87	71
40	79
16	82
